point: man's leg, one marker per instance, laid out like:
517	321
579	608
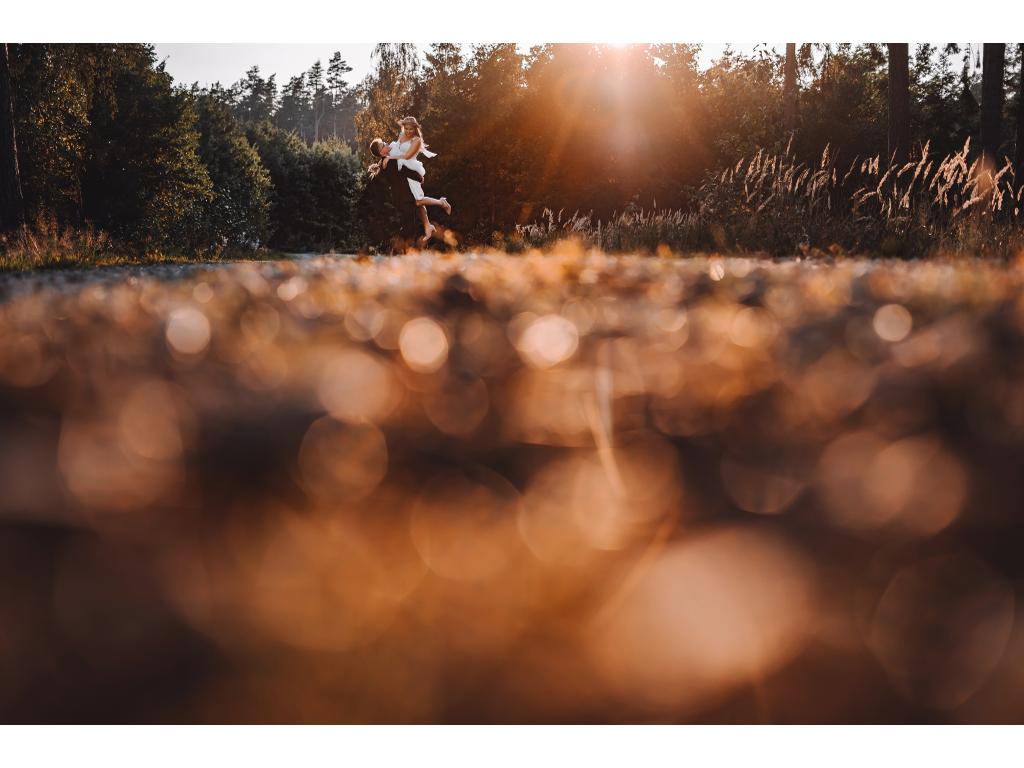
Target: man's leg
402	198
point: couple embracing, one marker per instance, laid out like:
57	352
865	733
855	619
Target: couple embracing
400	159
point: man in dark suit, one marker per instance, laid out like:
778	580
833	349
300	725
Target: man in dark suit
393	180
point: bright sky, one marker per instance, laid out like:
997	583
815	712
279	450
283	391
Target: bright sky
209	62
227	62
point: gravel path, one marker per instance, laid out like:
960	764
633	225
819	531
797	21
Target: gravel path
17	283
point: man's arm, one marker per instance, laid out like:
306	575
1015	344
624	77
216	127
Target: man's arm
408	173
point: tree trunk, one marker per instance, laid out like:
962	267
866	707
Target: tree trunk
12	203
1019	155
899	102
789	90
994	59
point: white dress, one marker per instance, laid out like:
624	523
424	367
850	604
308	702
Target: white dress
398	150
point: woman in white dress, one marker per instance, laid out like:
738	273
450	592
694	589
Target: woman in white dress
406	151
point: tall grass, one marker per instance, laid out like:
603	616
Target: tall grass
777	204
46	244
632	230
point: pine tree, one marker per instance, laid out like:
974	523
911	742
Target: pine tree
339	96
789	90
12	202
317	99
314	189
143	177
55	87
1019	149
992	98
899	102
256	97
294	107
238	211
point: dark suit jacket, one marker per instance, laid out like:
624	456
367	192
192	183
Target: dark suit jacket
388	209
393	174
401	195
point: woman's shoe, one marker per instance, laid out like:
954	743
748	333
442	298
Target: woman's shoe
447	205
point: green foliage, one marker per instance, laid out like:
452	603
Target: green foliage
253	98
238	213
844	106
295	103
106	143
143	179
317	104
53	93
105	140
592	128
936	107
335	174
315	189
741	102
342	101
390	92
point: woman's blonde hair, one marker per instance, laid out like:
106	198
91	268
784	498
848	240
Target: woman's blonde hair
416	129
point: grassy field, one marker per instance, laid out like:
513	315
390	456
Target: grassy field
543	487
773	203
47	246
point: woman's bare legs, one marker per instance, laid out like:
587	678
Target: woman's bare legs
428	228
442	202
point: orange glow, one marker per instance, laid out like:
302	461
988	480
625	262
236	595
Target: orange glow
580	486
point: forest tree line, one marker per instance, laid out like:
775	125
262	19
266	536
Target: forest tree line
100	135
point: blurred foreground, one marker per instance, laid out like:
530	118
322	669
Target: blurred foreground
566	487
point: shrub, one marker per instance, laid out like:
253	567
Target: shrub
315	189
48	244
777	204
238	212
144	181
